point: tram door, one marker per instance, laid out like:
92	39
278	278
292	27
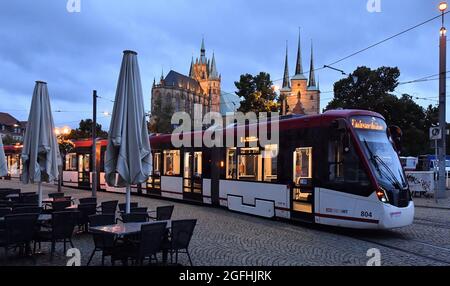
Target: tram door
192	175
302	187
84	170
154	181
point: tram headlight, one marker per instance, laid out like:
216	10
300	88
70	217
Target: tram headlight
382	196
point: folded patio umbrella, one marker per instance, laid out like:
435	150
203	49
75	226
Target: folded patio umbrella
128	156
3	168
40	153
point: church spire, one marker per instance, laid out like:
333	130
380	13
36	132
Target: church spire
312	77
286	82
191	70
299	66
203	52
214	74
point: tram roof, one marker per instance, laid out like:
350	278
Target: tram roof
305	121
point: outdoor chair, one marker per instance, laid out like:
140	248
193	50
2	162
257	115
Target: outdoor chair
62	227
180	238
27	210
109	207
122	207
148	244
163	213
88	201
18	232
59	206
102	241
5	211
56	195
134	217
29	198
85	210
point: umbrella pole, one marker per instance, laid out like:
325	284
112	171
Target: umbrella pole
127	200
40	193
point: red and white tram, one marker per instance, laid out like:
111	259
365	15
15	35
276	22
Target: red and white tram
337	168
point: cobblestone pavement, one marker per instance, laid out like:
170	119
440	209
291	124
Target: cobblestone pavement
231	239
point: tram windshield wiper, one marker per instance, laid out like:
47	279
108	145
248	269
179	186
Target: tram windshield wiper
388	174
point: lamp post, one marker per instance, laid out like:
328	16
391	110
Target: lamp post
441	191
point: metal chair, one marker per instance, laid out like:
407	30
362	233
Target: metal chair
19	231
109	207
149	243
103	242
62	227
27	210
180	238
163	213
4	211
134	217
87	201
59	206
85	211
56	195
122	207
29	198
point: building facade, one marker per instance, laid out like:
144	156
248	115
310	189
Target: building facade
201	86
11	127
298	94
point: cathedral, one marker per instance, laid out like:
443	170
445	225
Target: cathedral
298	94
202	86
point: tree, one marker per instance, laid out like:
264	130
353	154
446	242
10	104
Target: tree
85	131
256	93
161	117
372	91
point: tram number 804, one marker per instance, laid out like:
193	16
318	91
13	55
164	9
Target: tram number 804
366	214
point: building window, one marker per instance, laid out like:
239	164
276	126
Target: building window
231	163
71	162
311	97
270	162
172	162
302	164
249	161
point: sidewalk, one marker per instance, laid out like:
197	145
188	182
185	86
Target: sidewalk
431	202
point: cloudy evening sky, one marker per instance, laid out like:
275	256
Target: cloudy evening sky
78	52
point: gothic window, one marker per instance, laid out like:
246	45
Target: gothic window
299	95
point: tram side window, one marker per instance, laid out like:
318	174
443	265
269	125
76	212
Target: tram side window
71	162
198	164
345	167
302	164
231	163
270	162
172	163
249	161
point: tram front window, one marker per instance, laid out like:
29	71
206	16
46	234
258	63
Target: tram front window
384	161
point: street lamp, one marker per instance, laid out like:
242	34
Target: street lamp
442	178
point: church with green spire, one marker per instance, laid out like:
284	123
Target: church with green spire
299	95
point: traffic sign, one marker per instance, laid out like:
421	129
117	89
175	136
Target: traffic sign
435	133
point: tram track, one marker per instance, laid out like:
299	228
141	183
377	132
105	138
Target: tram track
410	252
431	223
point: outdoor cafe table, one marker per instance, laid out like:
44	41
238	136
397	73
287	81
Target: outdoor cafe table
124	229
